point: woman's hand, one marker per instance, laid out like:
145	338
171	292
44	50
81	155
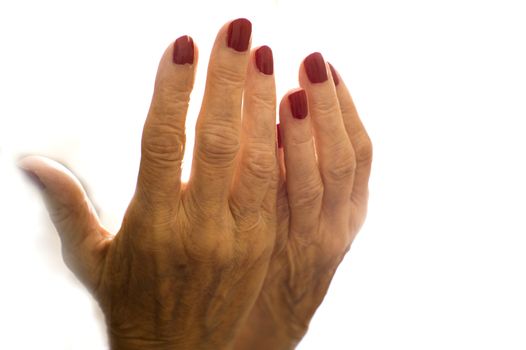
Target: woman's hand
189	260
322	204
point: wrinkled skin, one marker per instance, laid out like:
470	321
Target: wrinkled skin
188	263
322	203
242	255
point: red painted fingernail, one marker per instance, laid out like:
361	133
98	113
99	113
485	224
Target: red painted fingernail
334	75
278	136
298	104
184	50
264	60
34	179
315	68
239	33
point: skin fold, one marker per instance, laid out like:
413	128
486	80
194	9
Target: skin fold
242	254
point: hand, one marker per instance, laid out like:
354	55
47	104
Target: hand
189	260
322	204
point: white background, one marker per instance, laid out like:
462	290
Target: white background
440	85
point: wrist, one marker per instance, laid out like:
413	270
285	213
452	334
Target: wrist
184	341
119	340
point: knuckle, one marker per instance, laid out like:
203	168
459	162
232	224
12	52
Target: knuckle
347	108
341	172
259	160
310	195
163	143
143	215
343	169
218	145
246	217
363	149
220	254
217	248
223	257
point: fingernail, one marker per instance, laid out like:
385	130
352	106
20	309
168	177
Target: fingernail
315	68
334	75
239	33
264	60
278	136
298	104
184	50
34	179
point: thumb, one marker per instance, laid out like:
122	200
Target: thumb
84	240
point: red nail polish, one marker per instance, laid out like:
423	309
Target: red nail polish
264	60
34	179
278	136
183	50
239	33
315	67
334	75
298	104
